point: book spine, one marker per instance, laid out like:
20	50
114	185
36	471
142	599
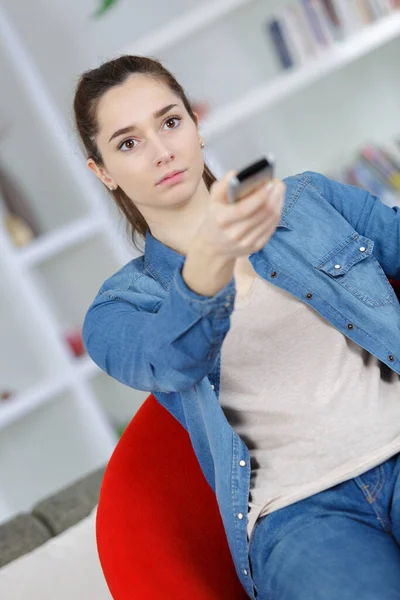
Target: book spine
365	11
385	6
375	9
324	21
356	14
349	177
277	37
314	23
333	20
392	151
382	166
392	172
294	37
368	180
348	22
16	202
310	44
331	12
372	155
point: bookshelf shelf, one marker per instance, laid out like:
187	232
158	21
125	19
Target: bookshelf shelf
81	369
54	242
21	405
289	82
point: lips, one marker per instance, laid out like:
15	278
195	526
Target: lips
170	175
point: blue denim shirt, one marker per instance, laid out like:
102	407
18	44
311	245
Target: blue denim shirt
334	248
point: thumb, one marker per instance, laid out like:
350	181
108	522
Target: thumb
220	187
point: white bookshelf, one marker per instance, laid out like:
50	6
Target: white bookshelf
54	242
269	94
50	282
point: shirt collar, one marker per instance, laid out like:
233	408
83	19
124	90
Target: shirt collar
160	260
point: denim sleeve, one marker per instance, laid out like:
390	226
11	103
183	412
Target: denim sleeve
167	351
368	215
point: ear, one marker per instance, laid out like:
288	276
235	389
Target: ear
196	116
100	173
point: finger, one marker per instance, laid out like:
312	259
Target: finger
278	188
254	225
222	188
263	232
244	209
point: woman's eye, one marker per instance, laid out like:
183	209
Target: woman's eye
125	142
133	140
172	119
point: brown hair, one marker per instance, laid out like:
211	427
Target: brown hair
89	90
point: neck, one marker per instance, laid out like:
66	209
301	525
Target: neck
177	226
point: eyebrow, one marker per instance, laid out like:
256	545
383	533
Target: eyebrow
159	113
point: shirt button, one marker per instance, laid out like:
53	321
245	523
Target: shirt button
337	266
245	571
362	249
213	386
242	463
240	515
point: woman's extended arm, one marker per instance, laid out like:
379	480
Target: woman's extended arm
170	350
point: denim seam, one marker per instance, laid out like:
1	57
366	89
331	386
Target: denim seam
252	535
381	481
372	500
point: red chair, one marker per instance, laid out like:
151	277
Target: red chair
159	531
396	286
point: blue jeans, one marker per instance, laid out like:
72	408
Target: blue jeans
340	544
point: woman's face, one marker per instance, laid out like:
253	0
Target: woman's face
150	146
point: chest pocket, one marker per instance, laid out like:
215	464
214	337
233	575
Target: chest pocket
352	265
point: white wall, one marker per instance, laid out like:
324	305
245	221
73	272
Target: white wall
64	39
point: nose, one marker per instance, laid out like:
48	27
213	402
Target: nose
161	151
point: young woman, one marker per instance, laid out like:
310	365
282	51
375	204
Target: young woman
269	329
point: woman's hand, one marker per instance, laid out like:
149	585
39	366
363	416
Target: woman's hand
233	230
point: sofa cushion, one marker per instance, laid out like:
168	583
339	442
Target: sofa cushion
71	504
66	567
20	535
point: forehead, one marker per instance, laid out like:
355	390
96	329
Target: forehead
133	101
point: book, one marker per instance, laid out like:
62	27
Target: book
365	11
375	8
324	20
311	46
385	7
277	36
356	13
314	22
360	174
294	37
392	152
382	165
13	198
331	12
349	17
